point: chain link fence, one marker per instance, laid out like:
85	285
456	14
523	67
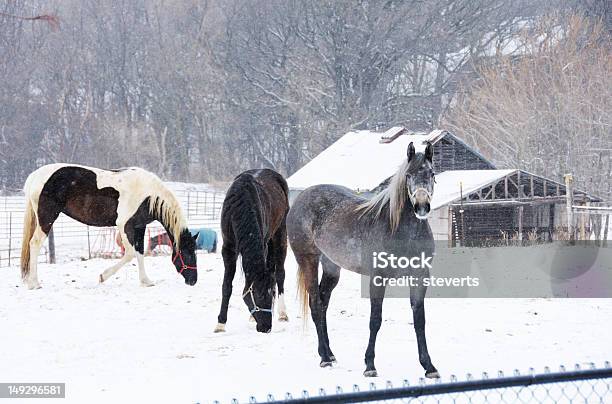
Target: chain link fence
578	385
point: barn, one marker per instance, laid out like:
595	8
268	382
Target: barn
474	203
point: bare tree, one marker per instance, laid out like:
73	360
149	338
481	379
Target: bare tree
202	90
549	109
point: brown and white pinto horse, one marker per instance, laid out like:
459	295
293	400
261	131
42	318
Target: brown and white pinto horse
128	198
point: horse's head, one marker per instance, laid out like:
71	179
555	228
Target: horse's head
185	259
258	296
420	179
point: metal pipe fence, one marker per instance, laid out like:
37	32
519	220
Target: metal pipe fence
578	385
75	240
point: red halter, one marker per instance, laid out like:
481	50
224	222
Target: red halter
183	266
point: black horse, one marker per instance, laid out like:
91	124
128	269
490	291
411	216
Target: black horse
253	225
330	224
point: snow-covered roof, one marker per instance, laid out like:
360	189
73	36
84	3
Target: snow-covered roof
449	184
359	161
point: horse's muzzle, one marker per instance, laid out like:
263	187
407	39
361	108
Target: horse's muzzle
421	202
422	210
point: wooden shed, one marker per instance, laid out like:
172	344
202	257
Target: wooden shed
473	207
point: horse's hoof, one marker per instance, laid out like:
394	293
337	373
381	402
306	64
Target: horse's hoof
101	279
147	284
333	359
283	317
432	375
34	286
326	364
220	328
370	373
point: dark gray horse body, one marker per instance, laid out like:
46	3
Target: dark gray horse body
332	225
328	217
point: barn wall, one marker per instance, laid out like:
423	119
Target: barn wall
483	225
489	223
450	154
560	215
536	222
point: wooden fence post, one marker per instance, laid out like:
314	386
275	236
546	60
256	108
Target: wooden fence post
604	235
189	205
520	224
10	237
451	238
88	244
51	247
461	211
569	202
582	231
214	207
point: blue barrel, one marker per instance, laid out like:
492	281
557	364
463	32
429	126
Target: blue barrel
207	239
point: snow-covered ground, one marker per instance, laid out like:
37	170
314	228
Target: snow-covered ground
119	340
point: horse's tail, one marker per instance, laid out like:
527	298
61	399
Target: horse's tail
29	226
302	294
283	184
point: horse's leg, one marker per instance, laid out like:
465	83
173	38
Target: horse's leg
309	266
138	245
329	280
230	256
377	294
142	275
36	242
127	257
109	272
280	254
417	302
47	215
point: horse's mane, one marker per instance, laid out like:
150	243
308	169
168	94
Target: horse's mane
243	208
394	195
164	206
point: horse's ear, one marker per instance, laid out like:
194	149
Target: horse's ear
410	152
195	236
429	152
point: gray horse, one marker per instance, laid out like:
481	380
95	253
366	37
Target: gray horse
332	225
